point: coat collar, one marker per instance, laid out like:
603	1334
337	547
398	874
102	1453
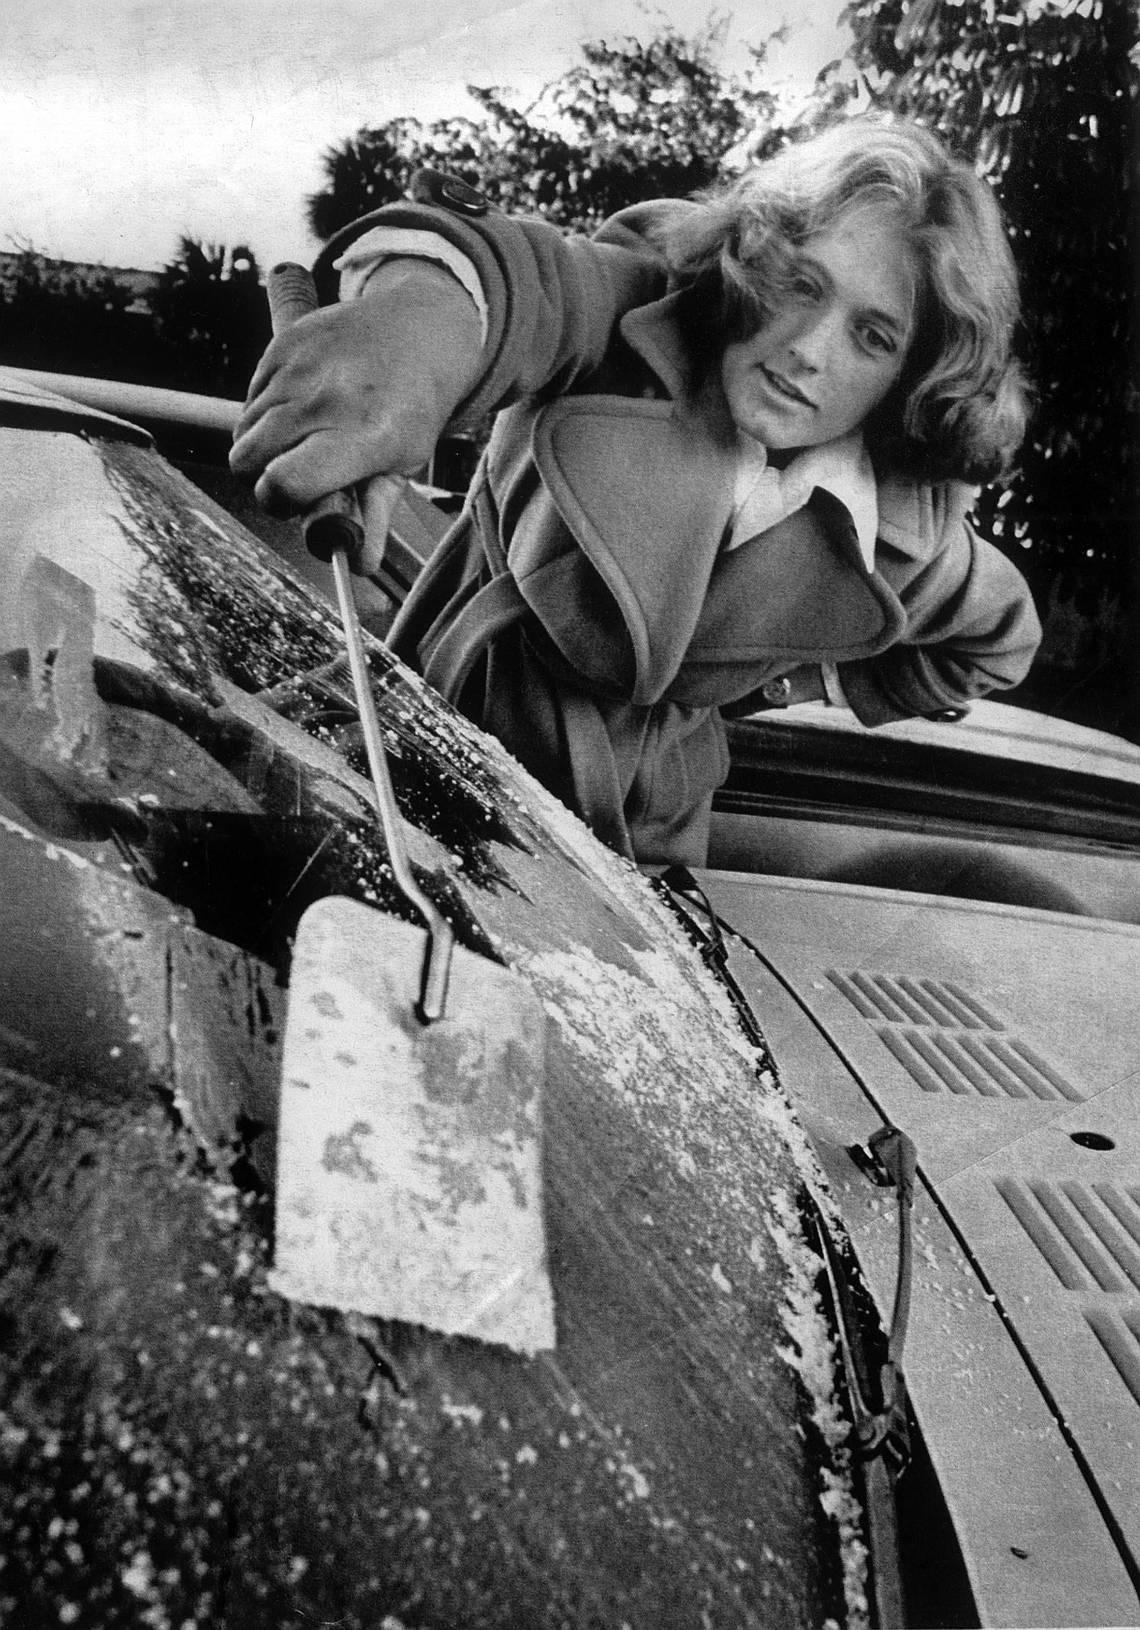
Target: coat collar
655	334
841	467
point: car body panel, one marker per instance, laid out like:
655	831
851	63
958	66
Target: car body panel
1006	1044
1002	805
30	396
987	726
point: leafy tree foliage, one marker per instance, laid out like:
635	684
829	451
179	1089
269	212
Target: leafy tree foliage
202	328
631	121
369	169
1044	93
52	317
211	317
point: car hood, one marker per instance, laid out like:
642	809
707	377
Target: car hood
1006	1043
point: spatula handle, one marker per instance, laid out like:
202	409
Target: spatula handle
334	531
337	520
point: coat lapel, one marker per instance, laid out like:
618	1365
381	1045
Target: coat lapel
652	534
798	592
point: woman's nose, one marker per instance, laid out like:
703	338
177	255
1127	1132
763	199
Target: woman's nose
809	341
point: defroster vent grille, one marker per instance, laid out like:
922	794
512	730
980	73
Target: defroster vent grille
948	1040
1088	1233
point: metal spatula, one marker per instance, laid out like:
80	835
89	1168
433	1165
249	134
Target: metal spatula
409	1151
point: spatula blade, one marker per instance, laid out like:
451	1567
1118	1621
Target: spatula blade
409	1155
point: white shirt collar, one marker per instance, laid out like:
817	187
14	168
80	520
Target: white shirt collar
842	468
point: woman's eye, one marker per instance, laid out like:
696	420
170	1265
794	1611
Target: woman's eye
877	340
805	287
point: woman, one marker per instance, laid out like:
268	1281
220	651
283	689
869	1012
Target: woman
732	469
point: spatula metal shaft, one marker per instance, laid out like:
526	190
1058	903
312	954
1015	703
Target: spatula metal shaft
441	939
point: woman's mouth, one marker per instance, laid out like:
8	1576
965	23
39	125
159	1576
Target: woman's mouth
784	388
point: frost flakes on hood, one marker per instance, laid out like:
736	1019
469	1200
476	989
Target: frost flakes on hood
51	850
667	1043
812	1356
671	1058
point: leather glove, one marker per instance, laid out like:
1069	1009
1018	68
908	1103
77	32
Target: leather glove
359	389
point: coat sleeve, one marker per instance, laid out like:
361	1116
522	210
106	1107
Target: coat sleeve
553	300
971	624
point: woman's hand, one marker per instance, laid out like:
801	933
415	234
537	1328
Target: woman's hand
359	389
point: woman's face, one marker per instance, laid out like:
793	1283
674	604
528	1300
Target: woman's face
829	355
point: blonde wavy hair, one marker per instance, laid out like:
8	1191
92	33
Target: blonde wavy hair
959	408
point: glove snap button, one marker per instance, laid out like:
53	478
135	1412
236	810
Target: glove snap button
777	691
433	187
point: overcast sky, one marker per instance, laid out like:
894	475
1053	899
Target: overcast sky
126	122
